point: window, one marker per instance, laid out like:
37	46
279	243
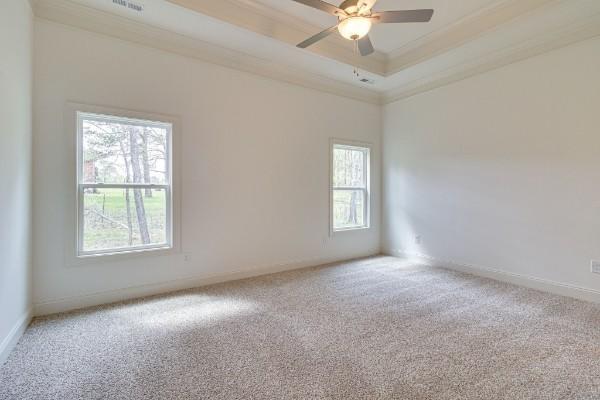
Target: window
124	194
349	186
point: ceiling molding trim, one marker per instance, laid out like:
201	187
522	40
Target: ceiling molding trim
460	32
90	19
256	17
587	29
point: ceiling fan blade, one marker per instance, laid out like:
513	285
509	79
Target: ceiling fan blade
390	17
323	6
314	39
365	47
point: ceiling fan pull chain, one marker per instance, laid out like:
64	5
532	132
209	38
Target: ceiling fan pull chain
355	48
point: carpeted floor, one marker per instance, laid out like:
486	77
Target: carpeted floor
377	328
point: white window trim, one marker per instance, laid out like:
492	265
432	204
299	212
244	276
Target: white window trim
351	144
74	257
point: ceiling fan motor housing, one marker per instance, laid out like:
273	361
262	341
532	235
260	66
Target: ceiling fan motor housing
354	6
349	6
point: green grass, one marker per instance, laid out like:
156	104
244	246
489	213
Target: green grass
111	231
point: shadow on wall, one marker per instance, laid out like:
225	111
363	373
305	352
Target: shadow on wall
399	232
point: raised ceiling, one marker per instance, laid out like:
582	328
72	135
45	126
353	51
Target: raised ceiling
391	37
464	38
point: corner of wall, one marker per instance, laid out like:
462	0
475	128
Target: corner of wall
544	285
11	340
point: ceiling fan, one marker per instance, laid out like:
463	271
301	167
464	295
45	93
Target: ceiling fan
355	19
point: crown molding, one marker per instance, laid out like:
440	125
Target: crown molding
72	14
256	17
460	32
586	29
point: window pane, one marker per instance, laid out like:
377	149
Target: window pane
121	218
348	167
115	152
348	209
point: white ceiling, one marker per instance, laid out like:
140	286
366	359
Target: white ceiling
390	37
465	37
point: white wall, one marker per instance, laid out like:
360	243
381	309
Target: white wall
15	168
244	138
501	170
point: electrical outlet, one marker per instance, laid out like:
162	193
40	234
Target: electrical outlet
187	257
595	267
418	239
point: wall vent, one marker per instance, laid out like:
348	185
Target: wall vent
129	4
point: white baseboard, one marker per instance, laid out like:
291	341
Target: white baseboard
545	285
10	341
105	297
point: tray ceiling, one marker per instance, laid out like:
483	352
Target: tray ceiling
464	38
391	37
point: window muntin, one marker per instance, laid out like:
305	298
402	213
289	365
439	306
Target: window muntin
124	184
349	187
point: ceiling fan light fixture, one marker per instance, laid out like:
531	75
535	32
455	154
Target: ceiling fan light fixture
355	28
355	19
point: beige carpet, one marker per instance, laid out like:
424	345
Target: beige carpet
376	328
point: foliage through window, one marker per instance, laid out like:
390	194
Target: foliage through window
350	187
124	179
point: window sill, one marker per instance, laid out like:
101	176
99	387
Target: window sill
117	256
125	251
348	230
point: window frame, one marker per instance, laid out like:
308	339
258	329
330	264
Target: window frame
366	148
74	256
82	185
